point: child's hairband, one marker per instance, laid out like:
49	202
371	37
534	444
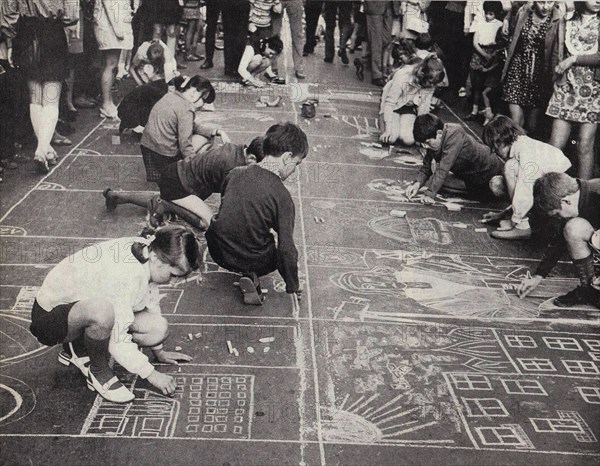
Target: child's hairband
185	81
146	241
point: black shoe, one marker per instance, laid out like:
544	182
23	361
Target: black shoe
378	82
328	59
472	117
109	199
360	69
580	295
207	64
342	54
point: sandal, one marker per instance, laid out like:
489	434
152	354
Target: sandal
41	165
106	114
360	69
60	140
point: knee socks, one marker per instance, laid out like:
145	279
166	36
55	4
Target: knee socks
585	269
98	353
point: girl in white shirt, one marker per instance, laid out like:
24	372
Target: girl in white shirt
101	295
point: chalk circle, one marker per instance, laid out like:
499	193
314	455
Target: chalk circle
17	399
324	204
344	426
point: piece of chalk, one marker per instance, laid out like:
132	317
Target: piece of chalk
266	349
250	349
398	213
229	347
179	369
316	219
376	144
317	119
260	105
190	336
264	291
198	335
236	283
116	140
315	149
453	207
321	219
267	339
336	118
236	352
459	225
178	348
481	230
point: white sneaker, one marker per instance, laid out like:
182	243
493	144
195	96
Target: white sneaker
113	390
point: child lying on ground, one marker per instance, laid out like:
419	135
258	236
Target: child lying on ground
96	303
526	160
454	151
577	202
186	184
254	201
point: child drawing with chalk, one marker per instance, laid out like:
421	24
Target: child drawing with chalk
527	160
186	184
254	202
97	303
577	203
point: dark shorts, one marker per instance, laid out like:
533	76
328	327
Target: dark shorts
407	109
50	328
170	185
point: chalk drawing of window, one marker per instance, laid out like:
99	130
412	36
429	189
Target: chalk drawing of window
507	435
593	345
562	343
523	387
484	407
594	356
537	365
470	382
568	422
591	395
520	341
581	367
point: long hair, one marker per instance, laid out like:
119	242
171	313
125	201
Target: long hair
501	131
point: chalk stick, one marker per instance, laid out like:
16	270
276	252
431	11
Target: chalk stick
250	349
179	369
481	230
236	352
260	105
264	291
316	219
376	144
116	140
236	283
459	225
317	119
190	336
198	335
398	213
267	339
266	349
453	207
336	118
315	149
178	348
229	347
321	219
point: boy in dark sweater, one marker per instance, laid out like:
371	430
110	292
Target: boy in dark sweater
186	184
453	150
254	201
577	203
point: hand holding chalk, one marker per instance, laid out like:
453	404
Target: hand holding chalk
412	190
528	285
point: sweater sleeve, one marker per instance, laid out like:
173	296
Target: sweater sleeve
287	254
553	254
592	60
425	171
453	143
121	346
185	129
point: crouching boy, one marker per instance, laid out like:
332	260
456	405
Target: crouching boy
254	202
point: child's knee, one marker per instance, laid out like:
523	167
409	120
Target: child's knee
498	186
158	329
406	138
578	229
99	313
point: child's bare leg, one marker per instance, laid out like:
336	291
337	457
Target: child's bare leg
191	209
561	131
407	123
114	198
511	169
587	134
149	329
533	118
517	114
111	60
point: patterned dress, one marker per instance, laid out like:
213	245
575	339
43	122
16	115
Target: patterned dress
576	98
525	73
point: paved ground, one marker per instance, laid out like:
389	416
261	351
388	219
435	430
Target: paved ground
409	347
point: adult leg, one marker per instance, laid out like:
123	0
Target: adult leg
516	114
561	130
111	59
532	120
585	153
115	198
313	11
375	39
235	26
213	9
172	30
36	115
201	212
49	116
329	14
295	12
157	31
345	25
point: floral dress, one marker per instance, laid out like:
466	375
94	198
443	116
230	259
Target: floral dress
525	73
577	97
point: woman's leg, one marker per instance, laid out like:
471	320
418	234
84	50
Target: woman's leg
35	113
533	118
49	115
561	130
111	60
516	114
149	329
587	134
172	37
115	198
157	31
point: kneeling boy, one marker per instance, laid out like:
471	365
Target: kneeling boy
456	151
577	202
254	201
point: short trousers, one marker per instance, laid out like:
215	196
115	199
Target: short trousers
170	184
50	328
407	109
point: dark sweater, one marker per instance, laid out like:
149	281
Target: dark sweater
589	209
254	200
469	160
203	174
136	106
